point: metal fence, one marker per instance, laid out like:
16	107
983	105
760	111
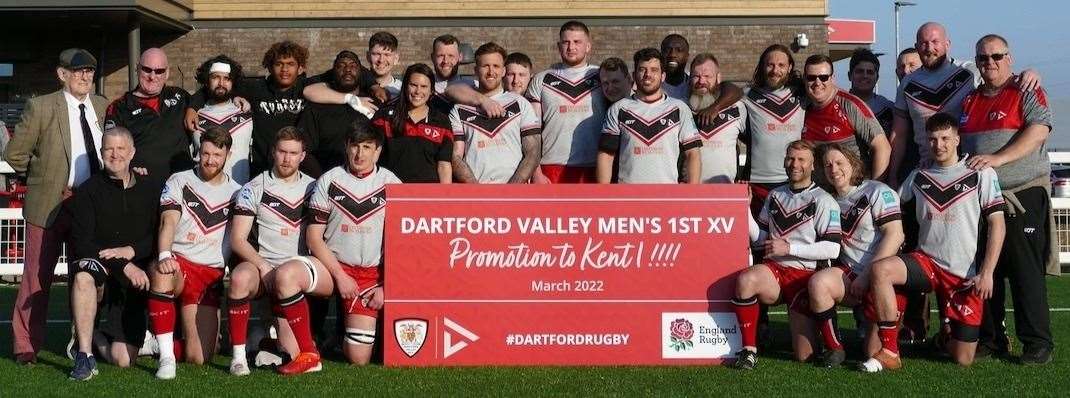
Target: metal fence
13	244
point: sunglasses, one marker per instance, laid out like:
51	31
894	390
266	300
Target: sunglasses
823	78
981	58
150	71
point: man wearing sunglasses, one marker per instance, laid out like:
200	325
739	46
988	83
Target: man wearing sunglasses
834	115
55	145
154	112
1006	128
939	85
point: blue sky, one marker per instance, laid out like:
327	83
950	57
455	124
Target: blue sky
1037	30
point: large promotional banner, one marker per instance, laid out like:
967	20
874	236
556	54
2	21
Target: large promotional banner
562	275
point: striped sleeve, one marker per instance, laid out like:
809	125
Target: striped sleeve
991	195
885	207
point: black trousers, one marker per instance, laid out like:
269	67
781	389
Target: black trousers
1022	264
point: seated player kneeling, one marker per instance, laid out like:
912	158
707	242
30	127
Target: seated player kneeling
872	229
273	202
803	224
345	236
950	201
113	246
194	206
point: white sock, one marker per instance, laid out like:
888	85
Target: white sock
167	345
239	352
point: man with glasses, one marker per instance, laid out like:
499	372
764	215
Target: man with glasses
834	115
55	145
1007	129
154	112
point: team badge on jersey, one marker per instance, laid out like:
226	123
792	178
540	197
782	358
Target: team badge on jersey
410	334
573	91
488	126
788	220
357	208
935	98
723	119
942	196
648	131
207	216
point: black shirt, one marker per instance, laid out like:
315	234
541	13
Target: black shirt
158	126
106	215
413	154
325	126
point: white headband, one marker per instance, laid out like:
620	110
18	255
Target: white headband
221	67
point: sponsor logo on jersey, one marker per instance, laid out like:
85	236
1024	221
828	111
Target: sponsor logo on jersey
787	220
474	118
570	90
943	196
854	215
208	217
724	119
935	98
648	131
357	208
290	212
780	108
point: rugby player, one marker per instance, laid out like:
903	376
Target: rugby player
951	202
834	115
218	75
274	204
517	73
870	220
939	85
383	56
799	227
863	72
775	118
419	139
649	131
720	156
572	107
1007	129
326	125
495	150
193	249
615	80
908	61
112	246
345	236
153	113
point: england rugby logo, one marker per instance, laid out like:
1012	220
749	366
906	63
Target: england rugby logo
410	334
680	333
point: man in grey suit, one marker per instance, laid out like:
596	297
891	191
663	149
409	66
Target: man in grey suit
56	146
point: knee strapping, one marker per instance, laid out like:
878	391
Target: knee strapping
360	336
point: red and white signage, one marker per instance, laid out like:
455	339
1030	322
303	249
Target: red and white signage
562	274
851	31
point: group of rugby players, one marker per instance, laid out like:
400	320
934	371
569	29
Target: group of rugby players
821	163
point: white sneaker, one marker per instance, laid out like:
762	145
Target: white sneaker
149	347
266	358
167	369
239	367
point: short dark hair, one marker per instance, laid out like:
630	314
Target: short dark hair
203	74
490	48
759	71
574	25
818	59
613	64
361	131
285	49
861	55
290	133
383	39
519	59
908	50
674	36
702	58
647	54
942	121
446	39
218	136
858	168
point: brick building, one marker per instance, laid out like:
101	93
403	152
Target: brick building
34	32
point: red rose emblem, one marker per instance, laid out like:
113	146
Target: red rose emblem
682	329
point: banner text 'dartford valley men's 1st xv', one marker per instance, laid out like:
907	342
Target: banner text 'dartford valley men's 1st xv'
562	274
